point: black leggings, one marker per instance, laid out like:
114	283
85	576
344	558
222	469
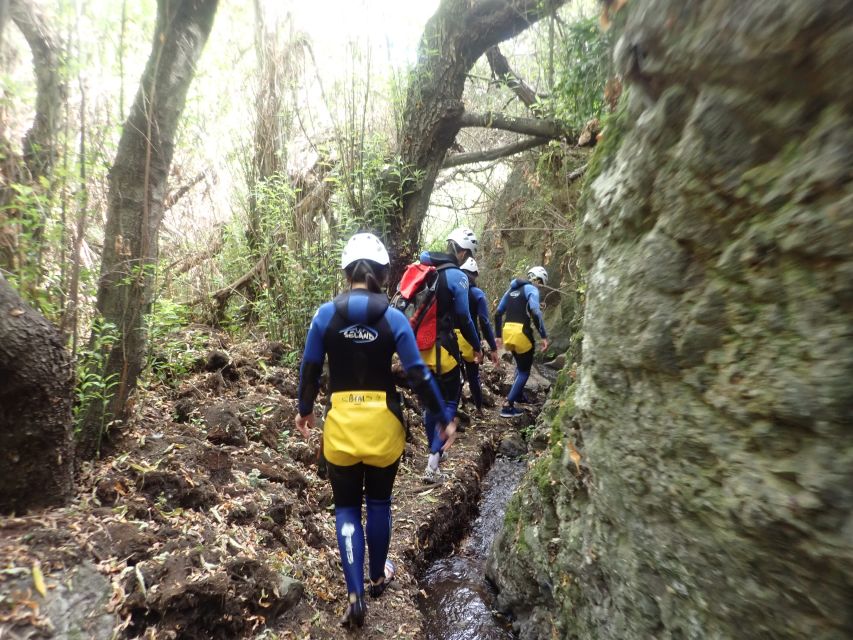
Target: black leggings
524	361
350	483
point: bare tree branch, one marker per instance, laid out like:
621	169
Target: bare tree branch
184	189
222	295
494	154
454	38
504	73
526	126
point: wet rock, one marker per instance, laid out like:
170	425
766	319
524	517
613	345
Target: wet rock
537	382
557	363
512	446
289	591
76	604
224	426
489	399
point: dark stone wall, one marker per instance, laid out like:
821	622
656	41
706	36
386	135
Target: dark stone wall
699	480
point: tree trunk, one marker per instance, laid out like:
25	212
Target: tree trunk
138	187
35	408
454	38
39	149
46	47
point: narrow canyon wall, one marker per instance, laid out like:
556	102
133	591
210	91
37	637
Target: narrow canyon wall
699	480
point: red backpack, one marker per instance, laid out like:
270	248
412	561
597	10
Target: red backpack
416	298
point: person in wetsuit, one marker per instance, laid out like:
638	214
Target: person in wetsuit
480	309
444	357
364	434
521	305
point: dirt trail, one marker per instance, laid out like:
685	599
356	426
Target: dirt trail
211	522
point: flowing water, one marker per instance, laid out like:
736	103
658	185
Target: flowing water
458	604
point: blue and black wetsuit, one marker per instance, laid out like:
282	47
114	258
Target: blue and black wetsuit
521	305
480	310
363	435
453	312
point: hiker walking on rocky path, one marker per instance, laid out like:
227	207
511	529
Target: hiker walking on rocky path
363	435
521	305
447	311
480	311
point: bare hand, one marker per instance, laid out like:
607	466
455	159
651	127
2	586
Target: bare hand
303	423
478	357
544	346
493	356
500	343
448	435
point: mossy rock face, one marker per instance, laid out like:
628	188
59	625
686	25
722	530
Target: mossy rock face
699	477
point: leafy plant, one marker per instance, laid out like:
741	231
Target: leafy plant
94	388
582	71
172	349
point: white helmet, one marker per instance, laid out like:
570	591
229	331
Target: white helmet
364	246
470	265
538	272
465	238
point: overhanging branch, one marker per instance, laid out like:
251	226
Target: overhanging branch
504	73
525	126
494	154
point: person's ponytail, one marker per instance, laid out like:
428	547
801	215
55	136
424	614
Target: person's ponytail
372	274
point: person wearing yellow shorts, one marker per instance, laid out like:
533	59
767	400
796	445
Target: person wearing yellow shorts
480	311
452	312
520	303
363	436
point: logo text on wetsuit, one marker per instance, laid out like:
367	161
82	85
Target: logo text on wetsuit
359	334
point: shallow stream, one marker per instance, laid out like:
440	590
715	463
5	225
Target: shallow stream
458	604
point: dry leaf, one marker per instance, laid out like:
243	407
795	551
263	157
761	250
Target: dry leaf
16	312
38	579
575	456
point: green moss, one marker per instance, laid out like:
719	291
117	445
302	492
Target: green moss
540	475
613	131
513	511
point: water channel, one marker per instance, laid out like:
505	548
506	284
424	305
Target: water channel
458	605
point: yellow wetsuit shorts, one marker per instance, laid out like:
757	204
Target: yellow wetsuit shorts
515	339
361	428
448	362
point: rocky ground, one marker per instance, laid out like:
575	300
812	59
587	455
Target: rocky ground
208	518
